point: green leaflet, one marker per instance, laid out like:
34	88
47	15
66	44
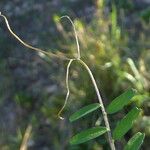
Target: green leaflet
125	124
87	135
135	142
119	102
145	14
84	111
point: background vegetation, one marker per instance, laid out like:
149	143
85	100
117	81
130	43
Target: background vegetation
115	43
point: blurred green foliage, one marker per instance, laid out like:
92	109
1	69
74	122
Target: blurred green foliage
114	42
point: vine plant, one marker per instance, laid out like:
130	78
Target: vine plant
122	127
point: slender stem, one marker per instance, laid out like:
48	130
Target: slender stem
111	141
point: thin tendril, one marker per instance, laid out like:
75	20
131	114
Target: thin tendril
68	67
27	45
68	90
76	37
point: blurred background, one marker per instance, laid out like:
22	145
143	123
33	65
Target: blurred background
114	39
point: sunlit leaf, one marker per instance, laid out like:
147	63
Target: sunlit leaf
119	102
84	111
87	135
125	124
135	142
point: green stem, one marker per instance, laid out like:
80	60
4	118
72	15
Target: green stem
111	141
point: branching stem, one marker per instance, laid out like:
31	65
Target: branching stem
111	141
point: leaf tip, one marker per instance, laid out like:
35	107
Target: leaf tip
108	130
61	118
70	119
